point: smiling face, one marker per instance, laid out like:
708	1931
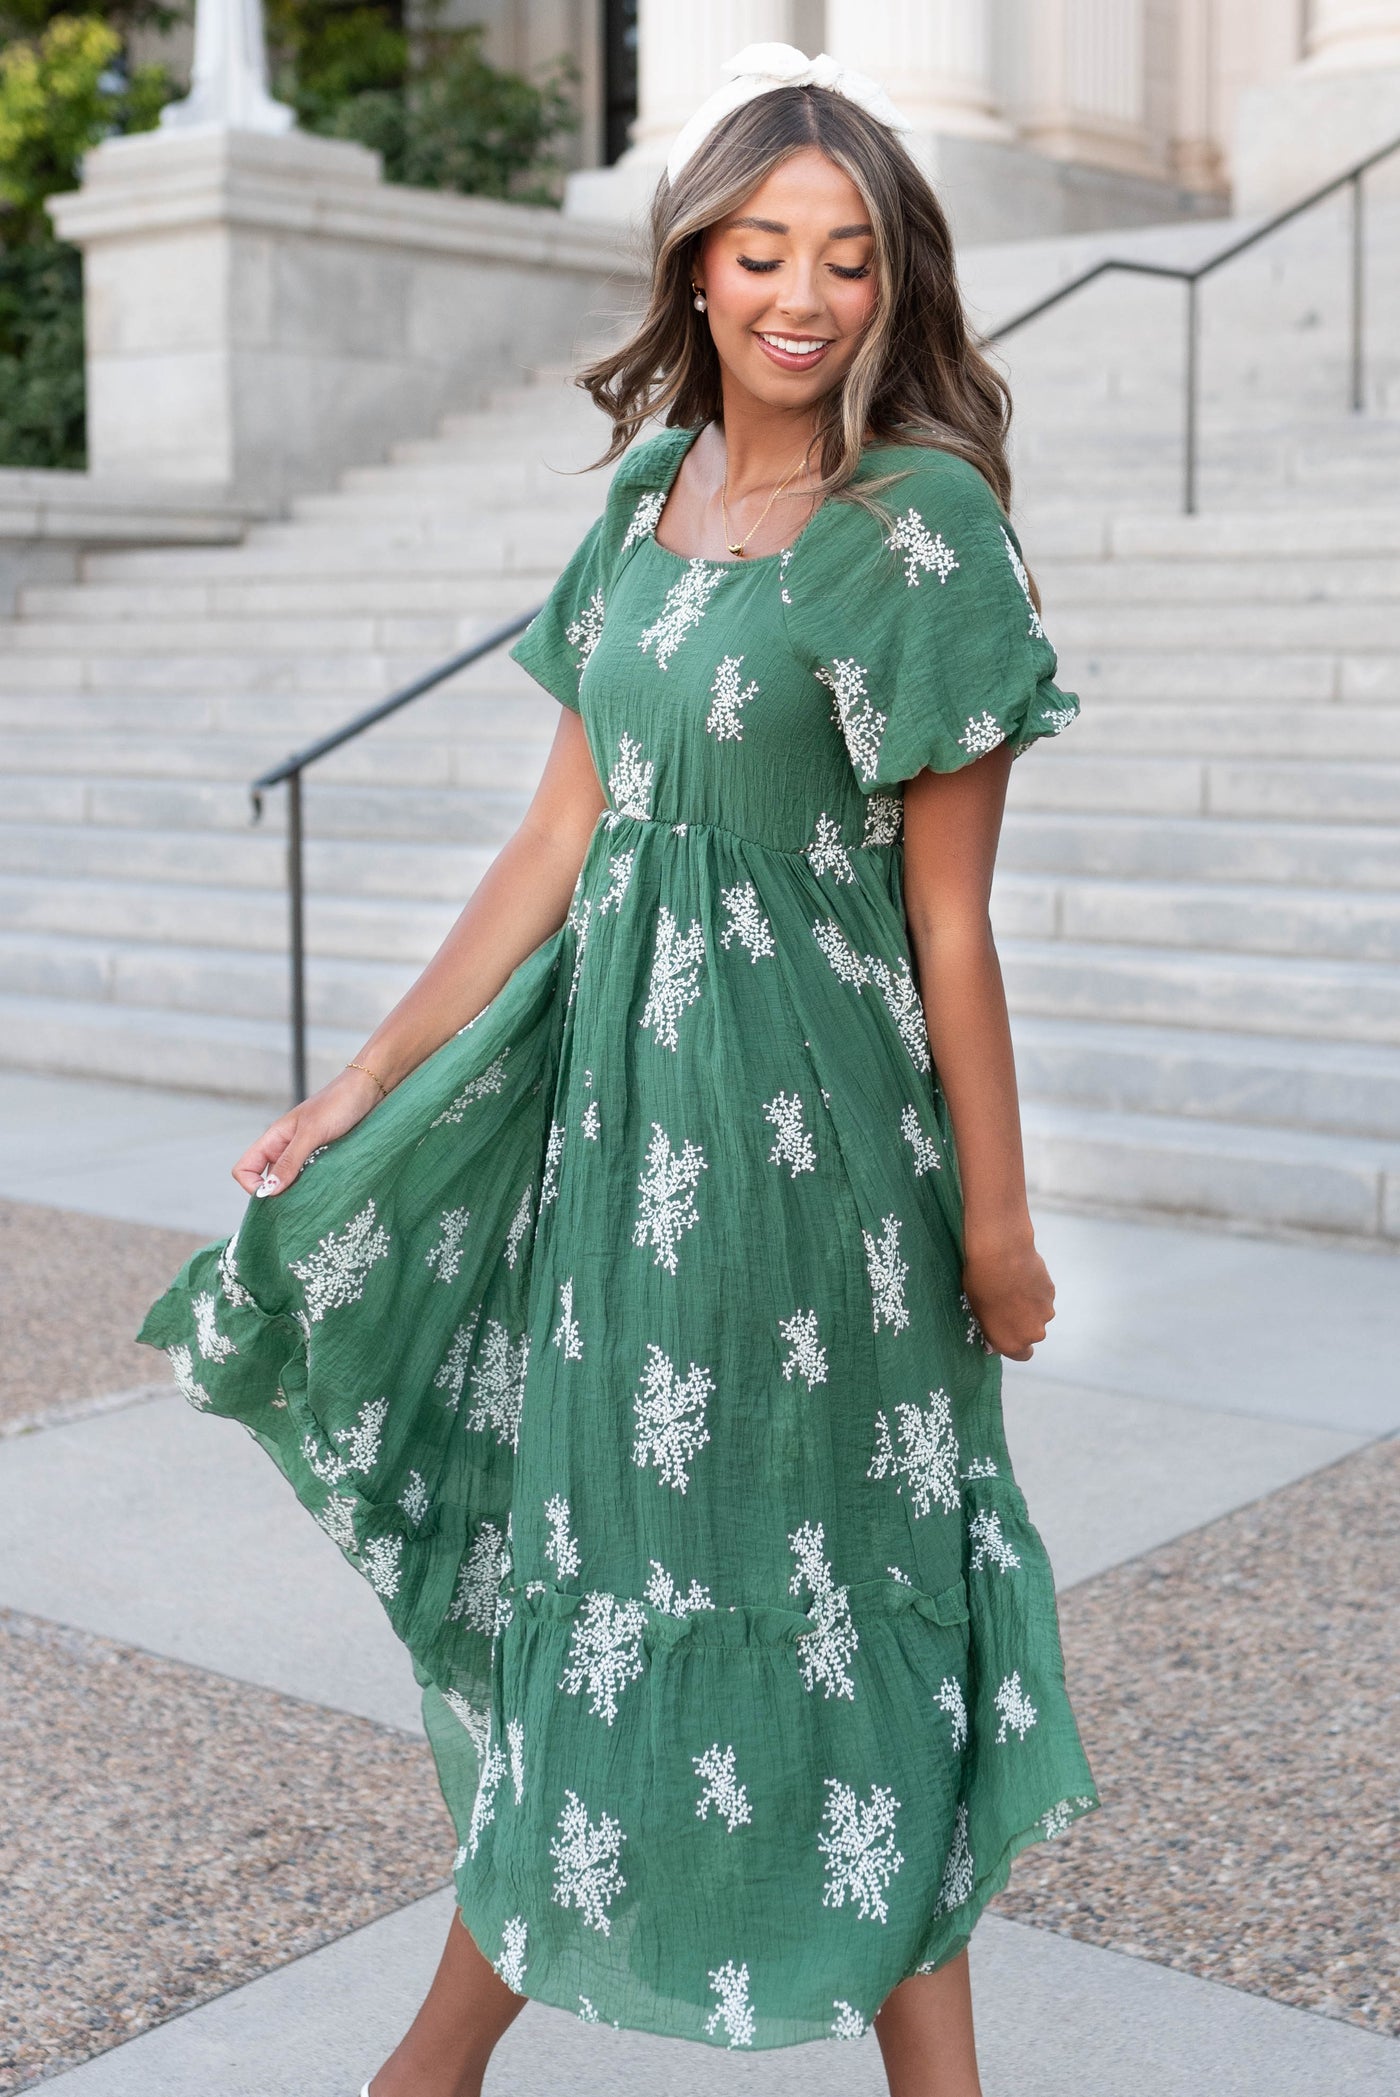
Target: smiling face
789	280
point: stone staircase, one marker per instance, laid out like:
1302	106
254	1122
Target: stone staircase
1199	897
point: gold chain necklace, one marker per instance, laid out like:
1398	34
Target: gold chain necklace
737	547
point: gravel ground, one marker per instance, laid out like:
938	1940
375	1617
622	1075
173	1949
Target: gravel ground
169	1833
1239	1695
73	1290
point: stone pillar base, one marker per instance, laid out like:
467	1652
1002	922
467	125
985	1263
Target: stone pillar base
263	311
1303	129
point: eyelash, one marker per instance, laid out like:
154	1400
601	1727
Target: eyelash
764	269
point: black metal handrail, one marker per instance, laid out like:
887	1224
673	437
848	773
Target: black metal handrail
289	773
1192	278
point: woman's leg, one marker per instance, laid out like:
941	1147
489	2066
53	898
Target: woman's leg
924	2027
445	2050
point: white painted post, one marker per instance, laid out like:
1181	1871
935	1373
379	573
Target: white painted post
229	86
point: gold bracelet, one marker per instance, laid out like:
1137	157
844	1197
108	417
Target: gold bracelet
383	1088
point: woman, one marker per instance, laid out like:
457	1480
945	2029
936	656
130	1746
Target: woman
637	1331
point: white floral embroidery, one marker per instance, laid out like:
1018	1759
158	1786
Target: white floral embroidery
861	1858
554	1152
561	1546
619	875
1060	1816
666	1210
808	1358
927	1461
337	1518
959	1872
589	1123
825	1652
898	1573
492	1079
511	1964
182	1362
515	1736
981	1467
379	1558
844	959
950	1699
897	987
213	1345
729	1798
335	1273
723	720
1016	1708
1035	631
683	608
848	2022
670	1412
645	519
414	1499
584	633
453	1373
586	1870
886	1271
884	819
989	1546
982	733
922	550
826	853
478	1578
580	918
783	559
664	1593
733	2010
360	1441
232	1287
675	977
476	1722
498	1383
974	1335
493	1768
566	1332
860	721
926	1158
794	1146
630	781
446	1256
519	1224
746	923
1057	720
605	1651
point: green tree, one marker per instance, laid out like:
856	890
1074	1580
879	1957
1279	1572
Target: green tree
59	95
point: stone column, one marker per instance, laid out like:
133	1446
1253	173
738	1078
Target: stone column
1339	103
1348	33
229	84
1197	159
1084	81
934	58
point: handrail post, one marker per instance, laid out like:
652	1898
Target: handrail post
298	937
1192	366
1358	296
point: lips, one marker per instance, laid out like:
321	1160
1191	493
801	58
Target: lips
779	350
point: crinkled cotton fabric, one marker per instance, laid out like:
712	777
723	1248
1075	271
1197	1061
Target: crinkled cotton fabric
623	1350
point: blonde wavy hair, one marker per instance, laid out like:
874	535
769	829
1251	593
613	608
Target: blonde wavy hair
918	377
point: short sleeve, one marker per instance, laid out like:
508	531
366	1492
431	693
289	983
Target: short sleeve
557	643
924	630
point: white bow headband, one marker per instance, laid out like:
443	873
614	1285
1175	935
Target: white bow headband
757	70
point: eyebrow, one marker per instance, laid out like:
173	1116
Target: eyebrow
772	225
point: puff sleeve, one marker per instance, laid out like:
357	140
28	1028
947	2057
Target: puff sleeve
557	643
924	632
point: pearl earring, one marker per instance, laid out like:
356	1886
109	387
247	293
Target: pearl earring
700	302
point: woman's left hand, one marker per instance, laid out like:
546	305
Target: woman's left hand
1012	1296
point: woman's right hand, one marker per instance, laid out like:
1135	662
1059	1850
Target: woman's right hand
273	1162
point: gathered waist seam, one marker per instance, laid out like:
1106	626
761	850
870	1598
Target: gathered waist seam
611	818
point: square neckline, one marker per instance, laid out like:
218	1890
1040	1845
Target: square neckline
751	560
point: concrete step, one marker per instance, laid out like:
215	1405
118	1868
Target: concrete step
252	860
476	765
1353	1001
1065	581
1279	1178
493	700
197	1052
1291	626
1296	789
1205	917
1259	729
1344	1087
1201	848
443	815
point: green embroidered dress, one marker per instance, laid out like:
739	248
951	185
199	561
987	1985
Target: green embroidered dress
623	1350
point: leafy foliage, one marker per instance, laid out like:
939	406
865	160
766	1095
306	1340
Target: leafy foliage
59	95
41	357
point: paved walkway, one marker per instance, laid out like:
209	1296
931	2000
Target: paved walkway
1187	1374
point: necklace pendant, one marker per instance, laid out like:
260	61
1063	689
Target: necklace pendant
739	549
